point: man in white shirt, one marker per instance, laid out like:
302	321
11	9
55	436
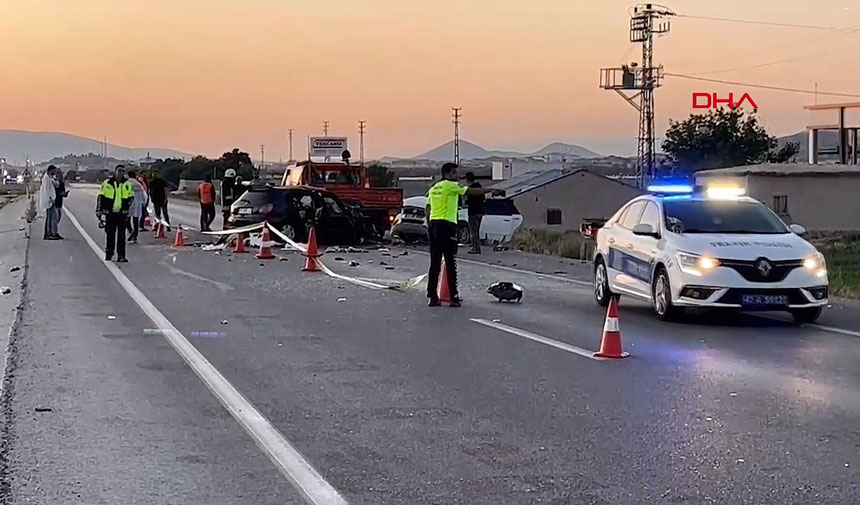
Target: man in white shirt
48	199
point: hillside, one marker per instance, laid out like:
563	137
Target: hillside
16	146
472	151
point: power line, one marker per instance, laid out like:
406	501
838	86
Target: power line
768	23
761	86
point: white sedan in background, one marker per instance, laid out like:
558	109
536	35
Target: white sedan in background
501	221
708	250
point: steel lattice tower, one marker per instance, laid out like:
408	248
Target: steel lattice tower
643	78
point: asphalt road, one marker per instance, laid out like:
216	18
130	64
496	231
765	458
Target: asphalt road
391	402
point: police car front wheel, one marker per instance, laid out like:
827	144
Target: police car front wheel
661	296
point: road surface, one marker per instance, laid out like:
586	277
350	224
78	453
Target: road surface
190	376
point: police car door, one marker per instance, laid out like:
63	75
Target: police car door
622	263
644	252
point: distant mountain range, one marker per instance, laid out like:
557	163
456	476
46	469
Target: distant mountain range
471	151
16	146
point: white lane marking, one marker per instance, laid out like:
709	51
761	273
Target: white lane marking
833	329
585	353
516	270
307	481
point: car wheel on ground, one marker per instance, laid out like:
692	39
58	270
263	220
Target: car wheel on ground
809	315
661	295
463	234
290	231
602	293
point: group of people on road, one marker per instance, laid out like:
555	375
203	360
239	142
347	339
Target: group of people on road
51	194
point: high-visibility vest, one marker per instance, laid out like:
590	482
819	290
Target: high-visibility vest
116	192
206	193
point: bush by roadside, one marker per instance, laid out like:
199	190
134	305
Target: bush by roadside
843	266
567	244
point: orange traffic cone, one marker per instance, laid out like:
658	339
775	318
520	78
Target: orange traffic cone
179	239
239	246
610	345
442	289
159	231
311	255
265	246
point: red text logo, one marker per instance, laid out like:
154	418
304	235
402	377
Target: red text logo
712	101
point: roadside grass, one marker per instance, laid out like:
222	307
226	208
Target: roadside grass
567	244
843	264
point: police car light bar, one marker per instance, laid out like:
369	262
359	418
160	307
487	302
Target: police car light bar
724	191
670	189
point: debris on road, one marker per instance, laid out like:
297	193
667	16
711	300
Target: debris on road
351	249
338	258
389	268
353	263
214	247
384	250
341	300
44	409
283	259
383	263
5	290
111	318
14	269
506	291
224	322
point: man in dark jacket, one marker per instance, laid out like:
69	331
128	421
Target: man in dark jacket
158	197
114	200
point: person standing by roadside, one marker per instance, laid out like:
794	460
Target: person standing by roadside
138	203
158	195
442	205
114	200
206	195
48	201
228	189
62	193
141	178
475	205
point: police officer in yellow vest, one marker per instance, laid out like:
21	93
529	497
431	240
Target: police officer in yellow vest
115	197
442	205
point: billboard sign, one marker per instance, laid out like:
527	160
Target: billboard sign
326	146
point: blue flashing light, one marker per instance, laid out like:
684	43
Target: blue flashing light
678	197
667	189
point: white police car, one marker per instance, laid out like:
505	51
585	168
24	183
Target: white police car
715	248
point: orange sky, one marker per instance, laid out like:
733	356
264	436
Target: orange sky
204	76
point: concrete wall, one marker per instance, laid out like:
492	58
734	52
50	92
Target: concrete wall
818	202
579	196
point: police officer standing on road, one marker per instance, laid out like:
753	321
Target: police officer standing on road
114	200
442	206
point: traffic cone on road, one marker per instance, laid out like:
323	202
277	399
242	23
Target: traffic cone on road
442	289
610	345
265	246
179	239
159	231
239	246
312	253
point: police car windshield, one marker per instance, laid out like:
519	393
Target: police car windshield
720	216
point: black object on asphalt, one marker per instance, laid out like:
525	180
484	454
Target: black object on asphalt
506	291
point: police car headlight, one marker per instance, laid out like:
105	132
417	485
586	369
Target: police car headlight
816	264
695	264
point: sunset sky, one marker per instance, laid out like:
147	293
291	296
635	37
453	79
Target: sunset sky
203	76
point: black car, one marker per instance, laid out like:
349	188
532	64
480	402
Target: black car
293	209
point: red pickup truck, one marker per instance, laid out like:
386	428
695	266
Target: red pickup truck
352	185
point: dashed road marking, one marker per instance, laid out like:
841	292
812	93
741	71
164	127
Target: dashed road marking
313	488
579	351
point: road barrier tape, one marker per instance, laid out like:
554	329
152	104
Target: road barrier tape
236	231
287	240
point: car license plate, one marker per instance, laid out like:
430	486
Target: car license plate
245	210
764	300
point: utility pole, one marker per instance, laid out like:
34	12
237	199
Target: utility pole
644	23
262	159
361	130
456	116
325	128
290	133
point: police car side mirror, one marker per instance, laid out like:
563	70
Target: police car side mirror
644	229
797	229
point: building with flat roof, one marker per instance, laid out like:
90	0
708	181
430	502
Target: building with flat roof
818	197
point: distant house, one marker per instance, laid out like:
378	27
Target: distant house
818	197
561	198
